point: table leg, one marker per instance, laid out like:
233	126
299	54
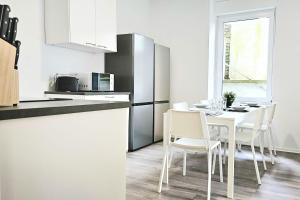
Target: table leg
166	147
231	152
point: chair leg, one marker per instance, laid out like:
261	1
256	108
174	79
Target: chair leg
261	145
239	147
272	140
162	173
255	164
214	162
209	174
270	146
224	153
184	164
171	158
220	163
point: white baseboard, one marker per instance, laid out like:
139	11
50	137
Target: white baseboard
289	150
297	151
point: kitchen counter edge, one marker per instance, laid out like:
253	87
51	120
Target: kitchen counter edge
47	108
88	93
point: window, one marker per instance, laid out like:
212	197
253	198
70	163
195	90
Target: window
244	55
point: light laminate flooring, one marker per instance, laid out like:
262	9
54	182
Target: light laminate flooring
280	182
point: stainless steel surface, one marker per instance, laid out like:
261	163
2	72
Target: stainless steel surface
133	66
143	69
162	73
141	126
159	110
96	82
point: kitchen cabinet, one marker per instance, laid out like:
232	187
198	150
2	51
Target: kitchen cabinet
87	25
99	97
106	36
82	27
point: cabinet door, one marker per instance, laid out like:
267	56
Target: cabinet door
82	22
106	27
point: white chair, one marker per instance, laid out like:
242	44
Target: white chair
214	131
192	129
181	106
266	128
248	136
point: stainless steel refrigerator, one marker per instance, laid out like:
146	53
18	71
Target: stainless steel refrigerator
133	67
162	88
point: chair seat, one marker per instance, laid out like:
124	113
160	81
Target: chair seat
250	126
188	143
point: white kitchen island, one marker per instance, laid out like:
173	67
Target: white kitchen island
66	150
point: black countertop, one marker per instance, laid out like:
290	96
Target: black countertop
88	93
56	107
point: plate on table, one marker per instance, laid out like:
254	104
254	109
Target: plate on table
201	105
252	104
239	108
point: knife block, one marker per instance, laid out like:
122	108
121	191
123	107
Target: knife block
9	77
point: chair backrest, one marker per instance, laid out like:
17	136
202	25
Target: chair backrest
270	112
188	124
259	120
181	106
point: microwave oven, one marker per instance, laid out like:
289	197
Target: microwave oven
93	81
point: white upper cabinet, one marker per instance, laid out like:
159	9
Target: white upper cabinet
87	25
82	22
106	36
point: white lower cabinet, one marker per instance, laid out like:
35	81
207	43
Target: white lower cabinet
114	97
107	97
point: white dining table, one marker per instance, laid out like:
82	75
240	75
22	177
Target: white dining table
229	119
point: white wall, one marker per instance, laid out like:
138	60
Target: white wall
181	26
133	16
286	85
232	6
39	61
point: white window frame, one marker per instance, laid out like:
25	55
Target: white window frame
269	13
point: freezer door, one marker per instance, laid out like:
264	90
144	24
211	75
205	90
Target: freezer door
159	111
143	69
141	126
162	73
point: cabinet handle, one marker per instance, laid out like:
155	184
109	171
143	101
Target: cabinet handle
109	97
101	46
92	44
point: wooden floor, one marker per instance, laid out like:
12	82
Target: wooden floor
279	182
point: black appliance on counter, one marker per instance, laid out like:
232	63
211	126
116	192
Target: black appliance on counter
133	67
66	84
